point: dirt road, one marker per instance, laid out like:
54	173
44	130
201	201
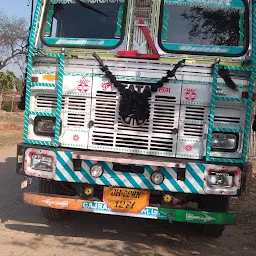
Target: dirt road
23	231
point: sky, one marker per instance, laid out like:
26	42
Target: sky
15	8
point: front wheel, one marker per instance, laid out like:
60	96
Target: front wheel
51	187
213	203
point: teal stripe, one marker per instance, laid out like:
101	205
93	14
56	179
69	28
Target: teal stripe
171	179
102	178
60	175
38	142
146	182
88	163
223	98
190	186
201	167
150	170
67	168
131	180
29	84
42	113
112	174
86	174
87	177
226	160
212	112
195	175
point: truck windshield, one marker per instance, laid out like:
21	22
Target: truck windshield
215	27
95	23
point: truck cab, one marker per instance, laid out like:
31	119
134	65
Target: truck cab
139	108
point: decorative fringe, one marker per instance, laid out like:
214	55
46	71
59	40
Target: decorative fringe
132	103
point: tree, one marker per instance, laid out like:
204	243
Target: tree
13	40
8	81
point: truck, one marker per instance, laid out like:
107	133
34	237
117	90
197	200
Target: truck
139	108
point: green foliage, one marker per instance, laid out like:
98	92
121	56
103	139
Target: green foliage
7	106
8	81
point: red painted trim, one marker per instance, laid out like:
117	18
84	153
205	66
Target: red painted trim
148	37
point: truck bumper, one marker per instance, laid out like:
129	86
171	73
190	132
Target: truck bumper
177	215
180	175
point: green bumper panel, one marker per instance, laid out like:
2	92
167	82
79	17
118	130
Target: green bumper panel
199	217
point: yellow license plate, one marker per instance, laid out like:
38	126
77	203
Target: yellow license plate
126	200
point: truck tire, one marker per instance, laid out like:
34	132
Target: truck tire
213	203
51	187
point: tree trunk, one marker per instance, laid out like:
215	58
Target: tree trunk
1	99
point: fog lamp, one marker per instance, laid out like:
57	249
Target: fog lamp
96	171
42	163
157	178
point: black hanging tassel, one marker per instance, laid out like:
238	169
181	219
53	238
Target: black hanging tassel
134	104
171	73
224	74
165	79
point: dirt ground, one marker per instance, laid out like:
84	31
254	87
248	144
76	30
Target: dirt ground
11	128
23	230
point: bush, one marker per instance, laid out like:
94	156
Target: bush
7	106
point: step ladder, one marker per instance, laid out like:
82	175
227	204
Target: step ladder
247	126
57	114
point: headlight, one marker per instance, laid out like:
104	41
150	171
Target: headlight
225	142
42	163
220	179
157	178
45	126
96	171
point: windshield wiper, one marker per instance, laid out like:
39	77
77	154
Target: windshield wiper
91	8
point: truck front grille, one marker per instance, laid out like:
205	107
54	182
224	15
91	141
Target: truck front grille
155	137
